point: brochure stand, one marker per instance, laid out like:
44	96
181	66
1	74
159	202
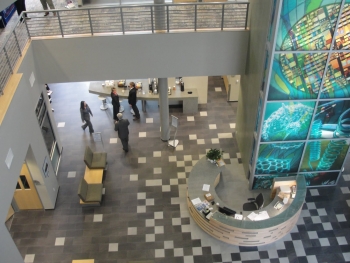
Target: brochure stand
174	123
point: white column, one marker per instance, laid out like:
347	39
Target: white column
163	108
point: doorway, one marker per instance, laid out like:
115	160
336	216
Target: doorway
26	195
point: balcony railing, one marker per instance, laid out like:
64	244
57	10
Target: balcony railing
120	20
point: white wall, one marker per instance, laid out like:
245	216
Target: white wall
19	132
5	3
234	82
199	83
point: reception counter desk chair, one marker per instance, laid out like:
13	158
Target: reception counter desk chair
254	203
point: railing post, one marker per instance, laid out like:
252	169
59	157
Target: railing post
25	22
222	17
91	28
246	17
59	22
152	20
167	18
122	20
8	60
195	17
17	44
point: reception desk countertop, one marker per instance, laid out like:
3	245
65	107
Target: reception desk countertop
242	232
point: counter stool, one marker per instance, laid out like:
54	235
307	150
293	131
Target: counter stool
104	103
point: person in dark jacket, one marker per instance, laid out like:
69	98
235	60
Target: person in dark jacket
20	7
123	131
115	103
132	99
85	113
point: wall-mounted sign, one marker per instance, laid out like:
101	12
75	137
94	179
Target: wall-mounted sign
45	167
9	158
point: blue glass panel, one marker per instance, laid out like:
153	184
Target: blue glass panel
285	121
296	76
279	158
307	25
337	79
319	179
332	120
265	181
324	155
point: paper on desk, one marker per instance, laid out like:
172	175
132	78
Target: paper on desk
262	216
196	201
252	216
238	216
206	187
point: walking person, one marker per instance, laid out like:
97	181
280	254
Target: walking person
45	4
115	103
123	131
85	113
20	7
133	99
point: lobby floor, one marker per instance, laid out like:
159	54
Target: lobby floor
144	214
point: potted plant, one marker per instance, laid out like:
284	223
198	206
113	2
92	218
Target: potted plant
214	155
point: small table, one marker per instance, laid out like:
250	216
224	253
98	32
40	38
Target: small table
104	104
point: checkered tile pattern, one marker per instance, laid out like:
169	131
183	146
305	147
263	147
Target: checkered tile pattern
144	214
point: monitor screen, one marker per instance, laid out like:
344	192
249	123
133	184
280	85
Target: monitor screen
227	211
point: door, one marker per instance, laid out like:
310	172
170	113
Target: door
26	195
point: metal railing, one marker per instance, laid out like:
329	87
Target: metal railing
119	20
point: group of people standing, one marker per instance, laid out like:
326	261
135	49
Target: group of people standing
121	125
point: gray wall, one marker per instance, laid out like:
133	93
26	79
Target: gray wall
20	131
141	56
5	3
251	82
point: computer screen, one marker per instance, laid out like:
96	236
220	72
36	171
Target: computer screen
227	211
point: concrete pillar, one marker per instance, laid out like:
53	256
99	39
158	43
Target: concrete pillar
160	24
163	108
160	15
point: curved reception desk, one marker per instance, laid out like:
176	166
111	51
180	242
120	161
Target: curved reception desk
244	232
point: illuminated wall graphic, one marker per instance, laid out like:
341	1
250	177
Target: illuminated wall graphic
285	121
305	128
266	181
337	80
332	120
324	155
316	179
307	25
297	76
279	158
343	30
